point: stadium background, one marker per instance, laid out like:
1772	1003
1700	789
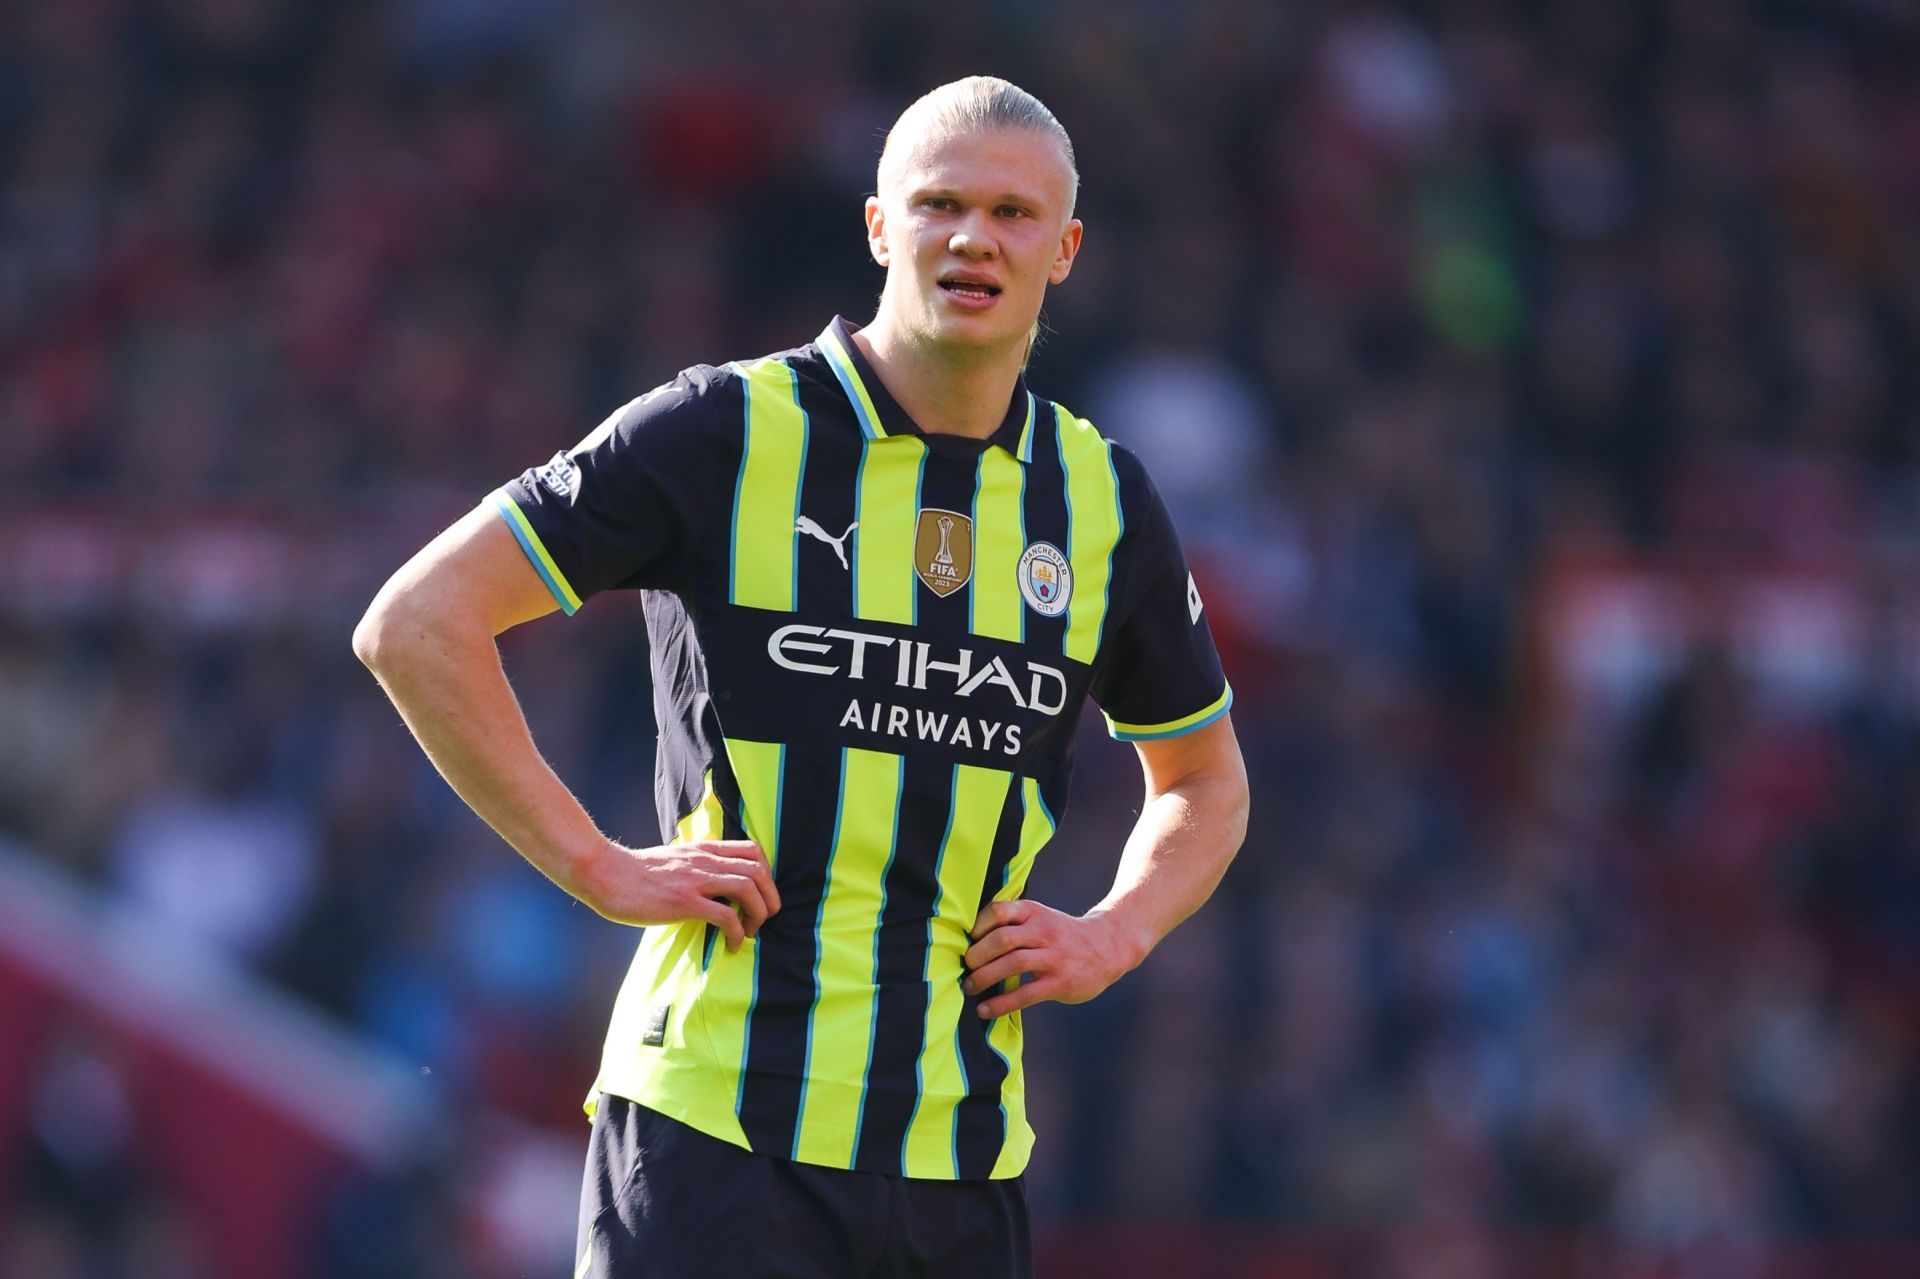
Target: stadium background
1535	385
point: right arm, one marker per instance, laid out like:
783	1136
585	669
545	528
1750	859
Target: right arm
429	638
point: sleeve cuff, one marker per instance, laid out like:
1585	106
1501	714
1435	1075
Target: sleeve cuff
563	592
1173	728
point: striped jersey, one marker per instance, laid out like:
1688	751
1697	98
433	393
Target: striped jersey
870	647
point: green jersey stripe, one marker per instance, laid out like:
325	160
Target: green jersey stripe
1093	530
999	537
704	822
1005	1035
979	795
887	508
766	504
733	978
787	953
840	1023
1036	829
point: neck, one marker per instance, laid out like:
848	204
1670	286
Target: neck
947	390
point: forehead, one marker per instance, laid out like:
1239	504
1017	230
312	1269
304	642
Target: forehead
989	162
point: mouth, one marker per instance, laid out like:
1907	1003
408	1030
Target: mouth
965	287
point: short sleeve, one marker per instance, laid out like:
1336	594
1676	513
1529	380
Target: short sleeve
628	505
1158	674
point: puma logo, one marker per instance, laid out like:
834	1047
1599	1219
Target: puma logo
807	526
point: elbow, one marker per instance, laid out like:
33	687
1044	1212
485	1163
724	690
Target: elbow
1236	800
382	636
373	638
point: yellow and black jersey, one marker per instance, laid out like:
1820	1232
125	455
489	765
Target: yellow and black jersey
870	647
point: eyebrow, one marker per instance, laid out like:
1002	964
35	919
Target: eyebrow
1007	197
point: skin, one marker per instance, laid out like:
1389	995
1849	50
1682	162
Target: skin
429	638
994	204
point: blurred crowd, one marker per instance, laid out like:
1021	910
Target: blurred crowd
1412	309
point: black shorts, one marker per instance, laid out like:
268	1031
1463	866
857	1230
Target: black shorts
661	1200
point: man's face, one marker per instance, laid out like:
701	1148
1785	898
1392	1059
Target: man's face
972	228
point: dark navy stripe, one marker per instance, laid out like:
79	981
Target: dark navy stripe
827	487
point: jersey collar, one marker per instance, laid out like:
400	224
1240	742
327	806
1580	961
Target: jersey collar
880	415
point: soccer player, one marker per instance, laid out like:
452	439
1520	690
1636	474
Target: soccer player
880	577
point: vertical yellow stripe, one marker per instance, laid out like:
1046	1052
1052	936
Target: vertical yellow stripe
1005	1038
840	1030
999	536
1005	1035
979	795
704	822
1093	499
766	502
1036	828
756	770
887	506
727	999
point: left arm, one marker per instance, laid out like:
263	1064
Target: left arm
1190	826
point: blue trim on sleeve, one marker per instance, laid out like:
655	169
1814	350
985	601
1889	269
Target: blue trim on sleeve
505	507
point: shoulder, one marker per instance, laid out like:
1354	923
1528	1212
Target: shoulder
708	395
694	388
1076	438
697	402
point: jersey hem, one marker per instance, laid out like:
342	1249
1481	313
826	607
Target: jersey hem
1021	1144
1173	728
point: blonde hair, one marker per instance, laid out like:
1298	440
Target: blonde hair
973	105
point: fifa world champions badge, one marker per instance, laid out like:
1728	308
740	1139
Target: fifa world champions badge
1046	579
943	550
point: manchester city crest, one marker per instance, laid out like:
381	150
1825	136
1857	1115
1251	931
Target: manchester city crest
1046	579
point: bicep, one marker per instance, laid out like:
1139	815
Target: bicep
474	569
1210	753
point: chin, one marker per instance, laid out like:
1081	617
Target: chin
981	331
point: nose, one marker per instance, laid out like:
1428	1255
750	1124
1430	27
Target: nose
973	238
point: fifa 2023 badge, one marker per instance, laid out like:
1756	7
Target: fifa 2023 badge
1046	579
943	550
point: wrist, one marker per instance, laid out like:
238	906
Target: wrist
1124	942
582	865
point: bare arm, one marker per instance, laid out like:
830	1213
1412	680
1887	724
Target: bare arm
429	637
1191	825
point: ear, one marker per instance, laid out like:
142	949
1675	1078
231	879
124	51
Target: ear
877	232
1069	248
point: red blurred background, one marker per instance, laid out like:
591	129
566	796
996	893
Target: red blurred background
1536	389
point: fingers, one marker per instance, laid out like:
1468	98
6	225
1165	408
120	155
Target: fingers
1009	965
753	862
1023	996
743	891
999	914
722	916
997	943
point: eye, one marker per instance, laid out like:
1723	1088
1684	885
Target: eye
1012	211
939	202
